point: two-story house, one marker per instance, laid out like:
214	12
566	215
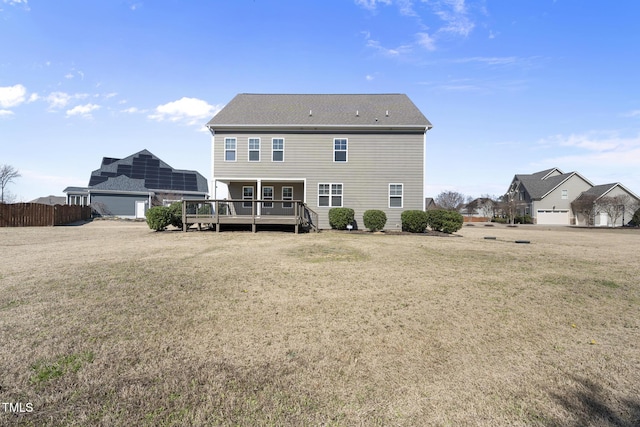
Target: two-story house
547	195
554	197
364	151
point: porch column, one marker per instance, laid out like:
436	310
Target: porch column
258	196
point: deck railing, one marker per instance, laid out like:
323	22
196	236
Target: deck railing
254	212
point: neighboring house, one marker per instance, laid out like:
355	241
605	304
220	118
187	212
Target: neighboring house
430	204
128	187
549	196
482	207
607	205
50	200
327	150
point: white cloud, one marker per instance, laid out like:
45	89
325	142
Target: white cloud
634	113
6	113
602	149
83	110
133	110
391	52
11	96
23	3
454	14
58	99
426	41
190	111
372	4
369	77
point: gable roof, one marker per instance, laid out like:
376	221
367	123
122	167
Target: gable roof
143	171
320	110
602	190
539	184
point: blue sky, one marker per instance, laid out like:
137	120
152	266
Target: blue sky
510	86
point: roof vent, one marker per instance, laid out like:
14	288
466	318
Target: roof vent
310	113
357	113
387	113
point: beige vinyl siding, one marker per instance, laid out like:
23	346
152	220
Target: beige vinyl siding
374	162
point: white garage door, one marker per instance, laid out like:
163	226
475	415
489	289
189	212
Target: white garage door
553	217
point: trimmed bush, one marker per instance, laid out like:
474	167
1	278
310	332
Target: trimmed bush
339	218
158	218
374	219
635	221
414	221
175	209
444	221
523	219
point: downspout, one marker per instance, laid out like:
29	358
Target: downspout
213	190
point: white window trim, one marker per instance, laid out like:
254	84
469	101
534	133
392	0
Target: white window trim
330	195
396	196
346	151
273	151
564	194
264	198
253	192
284	204
235	149
249	150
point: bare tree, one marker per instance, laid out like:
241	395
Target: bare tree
509	205
585	206
450	200
7	174
615	206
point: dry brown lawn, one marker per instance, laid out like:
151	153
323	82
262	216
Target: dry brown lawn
110	323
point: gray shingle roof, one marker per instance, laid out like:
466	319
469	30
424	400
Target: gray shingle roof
537	186
598	190
324	110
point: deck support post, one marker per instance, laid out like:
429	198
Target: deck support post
184	215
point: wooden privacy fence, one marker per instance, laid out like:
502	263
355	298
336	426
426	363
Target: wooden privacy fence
39	215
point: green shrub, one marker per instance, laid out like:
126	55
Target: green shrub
175	209
523	219
444	221
635	221
339	218
499	220
374	219
158	218
414	221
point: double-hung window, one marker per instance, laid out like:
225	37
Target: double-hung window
287	194
247	195
395	195
229	149
277	149
267	196
330	195
340	150
254	149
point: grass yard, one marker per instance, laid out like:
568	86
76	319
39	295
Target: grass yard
110	323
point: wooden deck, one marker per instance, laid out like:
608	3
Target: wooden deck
218	212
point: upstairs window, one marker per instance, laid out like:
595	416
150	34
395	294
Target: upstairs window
565	194
254	149
229	149
330	195
340	150
395	195
277	149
